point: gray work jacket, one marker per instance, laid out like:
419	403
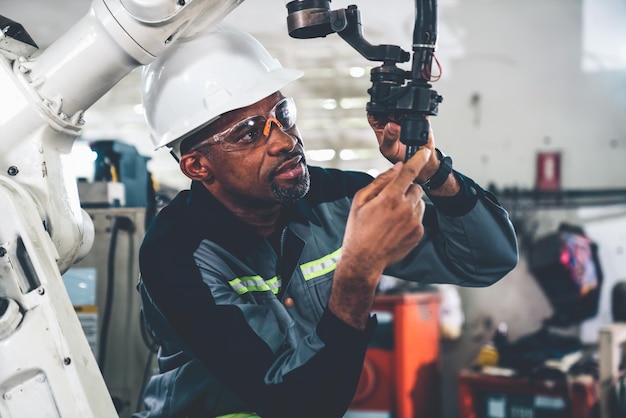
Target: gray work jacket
213	295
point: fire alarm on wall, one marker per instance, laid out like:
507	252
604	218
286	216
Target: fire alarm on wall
548	166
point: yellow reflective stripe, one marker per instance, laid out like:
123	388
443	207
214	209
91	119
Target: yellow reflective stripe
274	283
246	284
321	266
239	415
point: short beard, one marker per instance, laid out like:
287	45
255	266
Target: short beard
291	194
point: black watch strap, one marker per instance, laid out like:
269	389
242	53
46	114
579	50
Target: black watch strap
441	175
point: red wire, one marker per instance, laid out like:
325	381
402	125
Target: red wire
428	76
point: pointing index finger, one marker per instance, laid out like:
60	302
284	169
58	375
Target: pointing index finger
380	183
411	169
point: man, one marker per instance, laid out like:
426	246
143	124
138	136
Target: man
258	281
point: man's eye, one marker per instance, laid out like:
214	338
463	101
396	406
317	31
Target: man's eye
248	135
246	132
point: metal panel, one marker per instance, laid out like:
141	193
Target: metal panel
124	356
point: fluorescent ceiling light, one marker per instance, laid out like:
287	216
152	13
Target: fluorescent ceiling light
357	72
329	104
353	102
348	154
321	154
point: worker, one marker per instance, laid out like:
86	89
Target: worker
258	281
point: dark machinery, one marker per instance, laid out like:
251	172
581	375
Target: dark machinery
402	96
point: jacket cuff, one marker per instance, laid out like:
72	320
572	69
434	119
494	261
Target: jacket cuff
334	332
461	203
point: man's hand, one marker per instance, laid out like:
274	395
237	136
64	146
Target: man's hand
387	133
384	224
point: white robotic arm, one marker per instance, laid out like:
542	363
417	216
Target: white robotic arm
46	364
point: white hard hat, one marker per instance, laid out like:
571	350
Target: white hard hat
196	80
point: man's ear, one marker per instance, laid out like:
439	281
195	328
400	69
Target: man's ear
196	166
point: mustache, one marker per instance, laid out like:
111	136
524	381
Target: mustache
291	155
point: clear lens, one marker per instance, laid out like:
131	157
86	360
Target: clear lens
244	133
285	113
250	131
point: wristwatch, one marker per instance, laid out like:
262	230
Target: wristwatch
441	175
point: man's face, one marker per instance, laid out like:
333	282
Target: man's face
271	170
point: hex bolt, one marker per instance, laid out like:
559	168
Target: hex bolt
67	361
13	170
3	251
41	291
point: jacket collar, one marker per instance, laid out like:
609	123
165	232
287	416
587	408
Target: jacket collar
216	222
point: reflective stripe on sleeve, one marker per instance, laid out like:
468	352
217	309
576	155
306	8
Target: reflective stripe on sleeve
246	284
321	266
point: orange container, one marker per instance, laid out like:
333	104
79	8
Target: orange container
401	376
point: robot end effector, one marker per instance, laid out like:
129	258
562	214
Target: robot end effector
391	95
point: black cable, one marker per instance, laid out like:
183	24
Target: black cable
153	344
120	223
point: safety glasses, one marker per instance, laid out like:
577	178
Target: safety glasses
253	130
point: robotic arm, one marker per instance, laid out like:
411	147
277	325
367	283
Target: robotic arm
47	368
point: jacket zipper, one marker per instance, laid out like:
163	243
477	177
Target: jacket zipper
279	262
